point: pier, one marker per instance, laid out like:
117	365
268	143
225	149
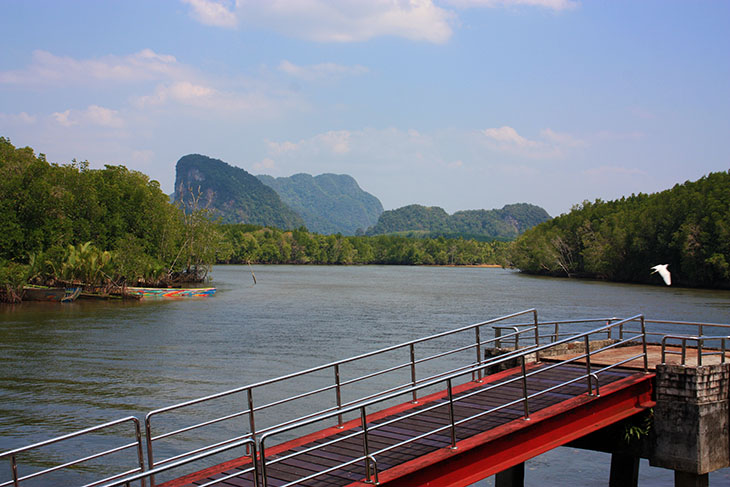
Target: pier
445	410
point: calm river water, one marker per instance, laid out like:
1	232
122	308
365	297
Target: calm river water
65	367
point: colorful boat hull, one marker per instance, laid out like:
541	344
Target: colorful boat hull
51	294
151	292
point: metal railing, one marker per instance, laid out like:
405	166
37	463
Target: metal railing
335	389
248	445
528	337
538	335
701	351
12	455
369	457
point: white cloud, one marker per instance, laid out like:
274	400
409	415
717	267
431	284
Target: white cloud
549	4
562	139
507	136
63	118
211	12
94	115
47	68
335	142
243	103
349	21
320	71
550	145
103	116
21	118
267	164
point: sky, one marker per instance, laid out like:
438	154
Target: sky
462	104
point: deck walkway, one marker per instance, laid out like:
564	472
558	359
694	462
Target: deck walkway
406	453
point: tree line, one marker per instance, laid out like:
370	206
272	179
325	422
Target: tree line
63	224
687	227
265	245
68	223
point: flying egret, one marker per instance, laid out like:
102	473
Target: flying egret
662	270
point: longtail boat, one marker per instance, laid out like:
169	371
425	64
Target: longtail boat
154	292
52	294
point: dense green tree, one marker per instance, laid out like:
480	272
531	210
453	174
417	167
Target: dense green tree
63	223
687	227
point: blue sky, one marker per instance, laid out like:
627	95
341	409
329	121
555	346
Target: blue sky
462	104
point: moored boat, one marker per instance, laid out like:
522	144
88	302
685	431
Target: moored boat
153	292
52	294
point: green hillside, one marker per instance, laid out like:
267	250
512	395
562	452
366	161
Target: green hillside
231	193
687	227
432	221
328	203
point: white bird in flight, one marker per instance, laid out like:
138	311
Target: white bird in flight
662	270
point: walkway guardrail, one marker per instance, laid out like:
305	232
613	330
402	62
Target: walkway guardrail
369	456
701	350
416	361
246	444
538	336
335	388
17	478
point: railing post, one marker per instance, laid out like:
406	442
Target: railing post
722	360
537	339
524	389
413	372
684	351
150	456
479	356
253	450
588	365
365	446
497	334
664	349
338	390
700	341
451	415
643	341
262	462
140	453
557	332
251	422
14	467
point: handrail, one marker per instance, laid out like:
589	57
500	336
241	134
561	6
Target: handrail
700	347
249	443
591	375
13	454
336	386
477	367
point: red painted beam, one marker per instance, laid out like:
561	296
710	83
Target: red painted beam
245	462
503	447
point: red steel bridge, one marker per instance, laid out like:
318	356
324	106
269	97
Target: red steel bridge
434	411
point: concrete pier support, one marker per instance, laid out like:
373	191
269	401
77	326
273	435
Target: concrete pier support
512	477
624	470
691	421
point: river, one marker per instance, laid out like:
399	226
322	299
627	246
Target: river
65	367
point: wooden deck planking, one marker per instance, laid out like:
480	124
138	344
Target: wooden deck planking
385	436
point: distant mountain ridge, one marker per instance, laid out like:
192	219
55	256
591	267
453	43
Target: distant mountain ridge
328	203
232	193
432	221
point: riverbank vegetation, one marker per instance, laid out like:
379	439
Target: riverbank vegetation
687	227
67	224
264	245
